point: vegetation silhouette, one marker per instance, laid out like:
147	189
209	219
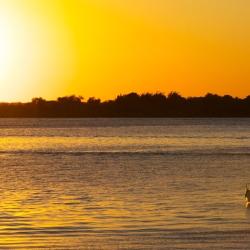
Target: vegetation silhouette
132	105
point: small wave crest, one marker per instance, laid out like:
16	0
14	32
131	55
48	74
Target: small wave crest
124	152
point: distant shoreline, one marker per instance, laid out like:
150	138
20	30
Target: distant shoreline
131	105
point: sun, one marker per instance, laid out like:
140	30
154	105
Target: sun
38	49
6	47
10	44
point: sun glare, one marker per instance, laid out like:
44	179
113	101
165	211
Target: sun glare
6	47
36	49
10	50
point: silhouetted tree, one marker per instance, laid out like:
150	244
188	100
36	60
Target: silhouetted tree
38	101
70	99
132	105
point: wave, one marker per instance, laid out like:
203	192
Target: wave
126	153
84	136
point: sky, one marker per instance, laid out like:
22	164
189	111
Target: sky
103	48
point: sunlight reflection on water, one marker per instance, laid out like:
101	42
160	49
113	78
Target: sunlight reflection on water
140	186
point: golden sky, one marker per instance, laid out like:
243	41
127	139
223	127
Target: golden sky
102	48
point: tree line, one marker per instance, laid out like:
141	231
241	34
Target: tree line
132	105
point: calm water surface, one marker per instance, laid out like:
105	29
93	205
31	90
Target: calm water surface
124	183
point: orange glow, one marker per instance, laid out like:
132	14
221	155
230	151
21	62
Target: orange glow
106	47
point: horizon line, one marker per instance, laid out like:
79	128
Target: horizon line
125	94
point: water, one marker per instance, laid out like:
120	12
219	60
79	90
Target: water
124	183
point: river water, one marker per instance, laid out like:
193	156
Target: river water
124	183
